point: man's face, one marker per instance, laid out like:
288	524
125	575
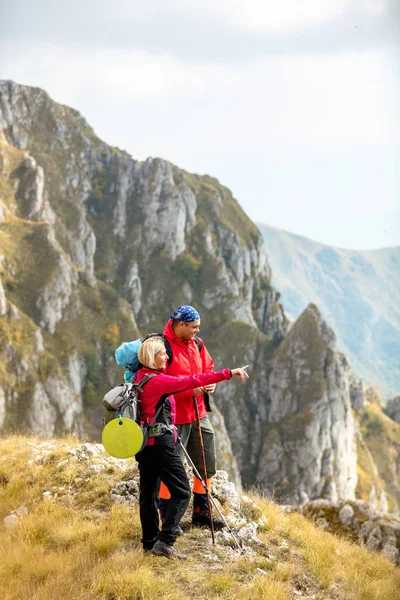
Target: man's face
187	331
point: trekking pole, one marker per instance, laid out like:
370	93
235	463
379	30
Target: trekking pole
203	460
195	471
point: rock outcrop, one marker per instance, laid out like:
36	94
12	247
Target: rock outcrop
392	409
360	522
295	434
310	450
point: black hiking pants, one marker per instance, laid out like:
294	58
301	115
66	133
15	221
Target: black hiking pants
161	462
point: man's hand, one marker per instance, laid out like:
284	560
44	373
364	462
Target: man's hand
210	388
198	391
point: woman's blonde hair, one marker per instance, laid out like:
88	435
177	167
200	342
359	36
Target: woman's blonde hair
148	351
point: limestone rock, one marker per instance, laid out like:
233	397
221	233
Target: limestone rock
392	409
56	295
134	287
30	188
10	521
125	186
83	246
225	491
390	549
65	393
357	394
272	317
126	492
21	511
374	540
346	514
225	457
248	533
39	341
310	452
379	532
41	415
164	204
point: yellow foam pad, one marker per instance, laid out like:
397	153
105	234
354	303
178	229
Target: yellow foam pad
122	438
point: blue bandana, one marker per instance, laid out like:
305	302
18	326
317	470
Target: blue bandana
185	313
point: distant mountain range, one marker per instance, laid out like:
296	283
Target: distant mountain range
357	292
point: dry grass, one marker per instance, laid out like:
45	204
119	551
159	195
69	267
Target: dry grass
74	548
366	575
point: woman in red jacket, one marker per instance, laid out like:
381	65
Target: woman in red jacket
160	459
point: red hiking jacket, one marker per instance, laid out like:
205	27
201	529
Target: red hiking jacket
164	385
187	360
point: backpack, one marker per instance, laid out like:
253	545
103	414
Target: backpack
126	356
123	401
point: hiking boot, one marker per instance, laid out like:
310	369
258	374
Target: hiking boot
162	549
201	518
178	531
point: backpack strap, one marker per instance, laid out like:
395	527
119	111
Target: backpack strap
168	349
139	386
199	343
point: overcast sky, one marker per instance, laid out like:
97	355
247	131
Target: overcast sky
295	106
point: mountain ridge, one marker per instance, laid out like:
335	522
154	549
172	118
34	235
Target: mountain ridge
357	292
305	238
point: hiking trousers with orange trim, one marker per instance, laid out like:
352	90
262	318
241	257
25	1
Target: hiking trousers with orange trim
164	462
190	439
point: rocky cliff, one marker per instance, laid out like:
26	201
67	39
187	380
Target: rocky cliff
97	248
94	243
298	424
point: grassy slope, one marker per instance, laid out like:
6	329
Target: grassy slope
381	441
80	546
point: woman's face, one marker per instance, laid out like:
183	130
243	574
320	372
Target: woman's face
160	359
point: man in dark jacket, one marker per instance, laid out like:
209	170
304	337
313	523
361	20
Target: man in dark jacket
190	357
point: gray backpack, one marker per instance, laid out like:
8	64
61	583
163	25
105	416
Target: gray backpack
123	401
